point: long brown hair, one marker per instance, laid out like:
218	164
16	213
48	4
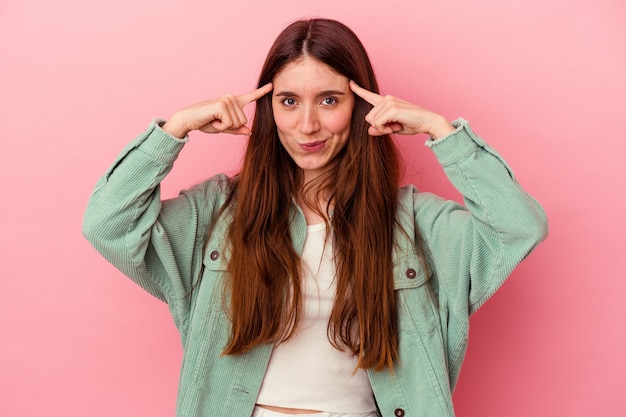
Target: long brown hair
263	286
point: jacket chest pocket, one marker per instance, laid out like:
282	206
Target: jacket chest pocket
208	300
216	254
418	311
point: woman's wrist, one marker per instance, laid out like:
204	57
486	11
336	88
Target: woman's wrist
174	128
440	127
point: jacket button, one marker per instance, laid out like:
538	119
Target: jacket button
410	273
214	255
398	412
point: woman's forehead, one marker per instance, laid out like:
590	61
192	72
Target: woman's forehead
307	75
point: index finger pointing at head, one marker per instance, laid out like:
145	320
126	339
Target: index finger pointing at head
370	97
254	95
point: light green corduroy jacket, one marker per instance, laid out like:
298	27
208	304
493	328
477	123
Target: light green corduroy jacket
470	250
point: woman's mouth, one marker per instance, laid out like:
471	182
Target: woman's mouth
313	146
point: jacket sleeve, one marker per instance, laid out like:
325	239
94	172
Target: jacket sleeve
156	243
474	248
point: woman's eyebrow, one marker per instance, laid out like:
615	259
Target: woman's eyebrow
332	93
320	94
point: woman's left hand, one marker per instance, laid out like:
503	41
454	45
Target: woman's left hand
392	115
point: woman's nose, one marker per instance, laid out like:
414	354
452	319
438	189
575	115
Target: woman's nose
309	122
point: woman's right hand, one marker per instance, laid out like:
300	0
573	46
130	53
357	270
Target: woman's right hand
221	115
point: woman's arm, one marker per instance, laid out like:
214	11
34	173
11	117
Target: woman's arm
472	248
127	222
159	243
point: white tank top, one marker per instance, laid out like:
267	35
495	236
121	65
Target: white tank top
307	372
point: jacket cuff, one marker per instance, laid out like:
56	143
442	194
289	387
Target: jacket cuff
460	144
160	144
456	145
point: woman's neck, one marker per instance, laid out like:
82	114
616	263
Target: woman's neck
314	206
311	215
312	199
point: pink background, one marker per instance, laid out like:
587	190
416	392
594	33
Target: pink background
541	80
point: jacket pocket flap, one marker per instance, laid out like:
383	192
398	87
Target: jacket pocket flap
216	254
408	271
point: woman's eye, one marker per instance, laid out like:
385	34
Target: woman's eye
289	101
328	101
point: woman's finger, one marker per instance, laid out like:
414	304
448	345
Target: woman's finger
383	116
254	95
370	97
236	111
228	117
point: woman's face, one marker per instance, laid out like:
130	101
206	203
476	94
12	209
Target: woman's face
312	109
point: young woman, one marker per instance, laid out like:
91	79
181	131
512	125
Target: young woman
309	282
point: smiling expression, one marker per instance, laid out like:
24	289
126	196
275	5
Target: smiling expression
312	107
